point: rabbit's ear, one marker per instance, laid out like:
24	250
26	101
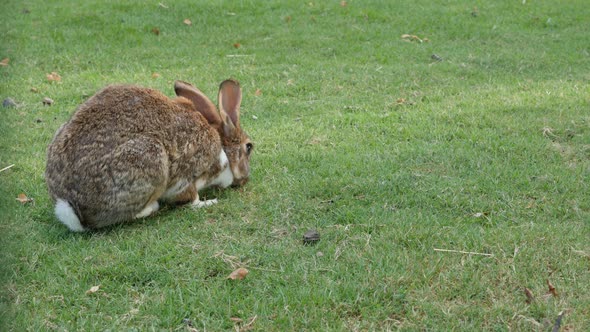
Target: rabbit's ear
230	98
201	102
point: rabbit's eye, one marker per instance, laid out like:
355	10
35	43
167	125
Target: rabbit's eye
249	148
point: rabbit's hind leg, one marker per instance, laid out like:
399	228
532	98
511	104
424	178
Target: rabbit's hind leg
148	210
140	167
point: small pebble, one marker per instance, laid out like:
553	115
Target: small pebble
311	237
9	102
47	101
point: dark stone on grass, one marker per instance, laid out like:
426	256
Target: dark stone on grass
436	57
8	102
311	237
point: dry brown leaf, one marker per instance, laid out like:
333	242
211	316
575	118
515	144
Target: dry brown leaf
343	3
53	77
156	31
4	62
400	101
23	198
238	274
187	21
552	290
155	75
258	92
237	45
530	298
93	290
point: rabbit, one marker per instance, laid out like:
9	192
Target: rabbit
128	149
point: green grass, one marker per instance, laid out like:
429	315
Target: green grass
488	152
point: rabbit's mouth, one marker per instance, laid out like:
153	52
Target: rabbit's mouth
239	182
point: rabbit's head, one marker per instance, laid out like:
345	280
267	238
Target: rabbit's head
236	143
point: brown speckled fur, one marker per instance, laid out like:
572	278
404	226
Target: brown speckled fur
125	146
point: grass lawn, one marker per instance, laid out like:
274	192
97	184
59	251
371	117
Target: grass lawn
394	128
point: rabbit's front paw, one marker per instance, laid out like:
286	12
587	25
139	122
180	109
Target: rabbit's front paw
199	204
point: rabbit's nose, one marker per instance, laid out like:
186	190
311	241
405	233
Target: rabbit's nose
240	182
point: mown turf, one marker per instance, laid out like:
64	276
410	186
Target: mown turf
361	134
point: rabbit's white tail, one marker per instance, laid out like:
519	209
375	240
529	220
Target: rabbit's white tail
66	214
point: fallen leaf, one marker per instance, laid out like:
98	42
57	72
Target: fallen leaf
258	92
4	62
23	199
343	3
187	21
156	31
408	37
400	101
47	101
93	290
530	298
34	90
155	75
238	274
237	45
53	77
552	290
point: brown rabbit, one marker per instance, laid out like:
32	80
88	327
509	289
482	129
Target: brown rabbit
127	148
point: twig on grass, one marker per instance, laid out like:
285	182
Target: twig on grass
463	252
6	168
